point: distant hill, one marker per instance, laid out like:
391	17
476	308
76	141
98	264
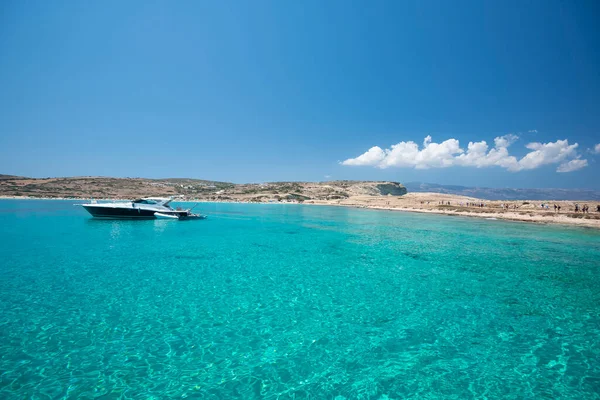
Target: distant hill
2	177
506	193
127	188
104	187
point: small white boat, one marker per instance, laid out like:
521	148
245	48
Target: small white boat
194	216
179	216
165	216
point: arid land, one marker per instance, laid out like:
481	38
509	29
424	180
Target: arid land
362	194
436	203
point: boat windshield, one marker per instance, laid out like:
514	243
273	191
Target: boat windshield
144	201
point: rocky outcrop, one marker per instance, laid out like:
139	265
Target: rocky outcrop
391	188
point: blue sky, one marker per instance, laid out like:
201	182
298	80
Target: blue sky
282	90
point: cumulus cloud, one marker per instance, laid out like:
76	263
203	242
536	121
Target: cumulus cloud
596	149
373	156
407	154
547	153
572	165
532	131
478	154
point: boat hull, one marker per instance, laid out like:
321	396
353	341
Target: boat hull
119	212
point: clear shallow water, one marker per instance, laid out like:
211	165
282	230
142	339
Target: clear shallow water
291	302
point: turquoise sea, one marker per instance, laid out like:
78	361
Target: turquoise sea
295	302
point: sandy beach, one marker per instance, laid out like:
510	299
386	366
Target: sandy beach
436	203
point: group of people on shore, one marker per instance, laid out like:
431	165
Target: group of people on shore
545	206
506	206
585	208
481	205
578	208
557	207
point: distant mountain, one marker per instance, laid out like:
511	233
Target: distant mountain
506	193
126	188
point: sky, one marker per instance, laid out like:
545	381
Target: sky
474	93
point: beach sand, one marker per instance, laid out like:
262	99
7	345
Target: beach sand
436	203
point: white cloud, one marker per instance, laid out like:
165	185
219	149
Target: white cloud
372	157
533	131
547	153
572	165
596	149
449	153
477	154
433	155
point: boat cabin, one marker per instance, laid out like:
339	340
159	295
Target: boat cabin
144	201
153	201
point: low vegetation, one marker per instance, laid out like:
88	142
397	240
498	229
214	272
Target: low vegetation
192	189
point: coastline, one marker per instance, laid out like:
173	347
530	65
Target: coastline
525	211
429	203
550	219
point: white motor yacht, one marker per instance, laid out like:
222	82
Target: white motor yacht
144	208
